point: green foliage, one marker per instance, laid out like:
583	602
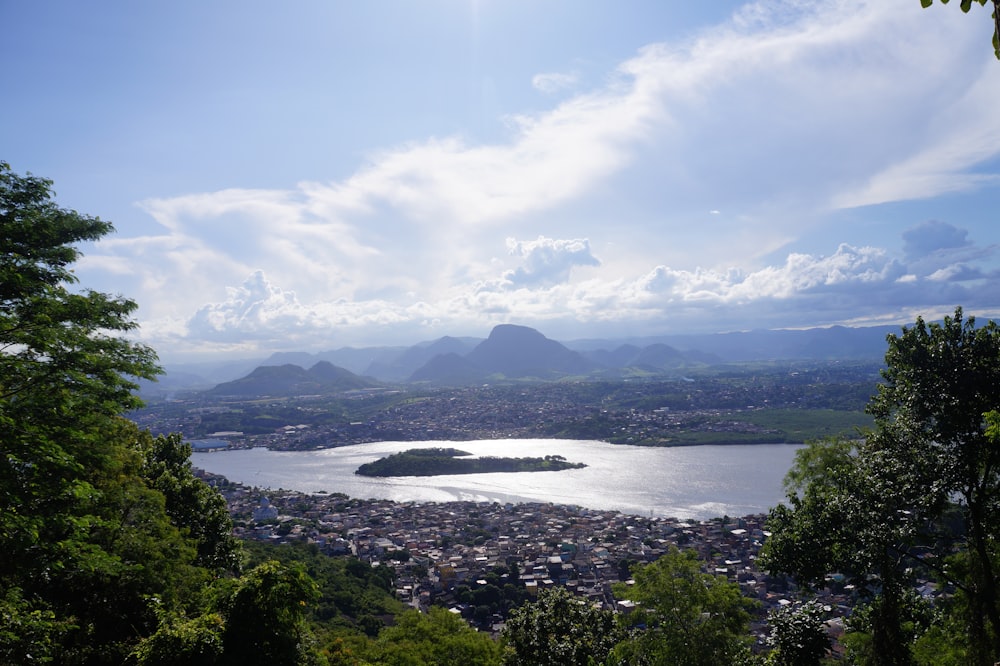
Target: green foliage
945	643
966	5
95	562
855	516
559	630
192	505
265	616
798	635
112	549
259	618
817	460
195	642
85	541
29	632
691	617
435	637
879	510
55	340
846	512
800	425
353	595
912	614
940	381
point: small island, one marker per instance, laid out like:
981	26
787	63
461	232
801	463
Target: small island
438	461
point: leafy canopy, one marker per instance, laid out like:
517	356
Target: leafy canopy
559	629
919	495
692	618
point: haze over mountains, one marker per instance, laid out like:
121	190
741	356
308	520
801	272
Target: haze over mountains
514	352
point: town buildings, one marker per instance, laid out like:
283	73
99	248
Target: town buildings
443	553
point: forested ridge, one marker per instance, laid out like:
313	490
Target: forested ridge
114	552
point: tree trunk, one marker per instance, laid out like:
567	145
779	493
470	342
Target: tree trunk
890	648
986	643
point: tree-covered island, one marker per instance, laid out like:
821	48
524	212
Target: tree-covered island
441	461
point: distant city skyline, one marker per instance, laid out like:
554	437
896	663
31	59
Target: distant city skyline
328	174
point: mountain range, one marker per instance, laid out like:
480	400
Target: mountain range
513	352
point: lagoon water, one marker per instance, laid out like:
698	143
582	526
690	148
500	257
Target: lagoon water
681	482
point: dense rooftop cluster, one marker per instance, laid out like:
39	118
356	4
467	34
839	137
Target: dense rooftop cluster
472	557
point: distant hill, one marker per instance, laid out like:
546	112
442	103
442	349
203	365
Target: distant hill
449	370
619	357
519	352
653	358
510	352
289	380
833	343
355	359
397	368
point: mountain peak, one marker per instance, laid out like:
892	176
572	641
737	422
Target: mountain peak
520	351
515	332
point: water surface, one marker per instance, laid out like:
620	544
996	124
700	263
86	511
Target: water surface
682	482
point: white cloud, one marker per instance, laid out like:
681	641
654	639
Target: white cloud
790	110
547	261
256	307
553	82
956	273
802	277
851	284
944	159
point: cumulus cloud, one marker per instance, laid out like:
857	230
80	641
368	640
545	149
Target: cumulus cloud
786	112
261	311
255	308
852	284
802	276
547	261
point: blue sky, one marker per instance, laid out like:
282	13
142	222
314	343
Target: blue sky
320	174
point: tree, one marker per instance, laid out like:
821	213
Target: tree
966	5
265	616
880	511
913	617
435	637
192	504
258	618
940	383
559	630
848	512
107	537
692	618
798	635
76	519
179	640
